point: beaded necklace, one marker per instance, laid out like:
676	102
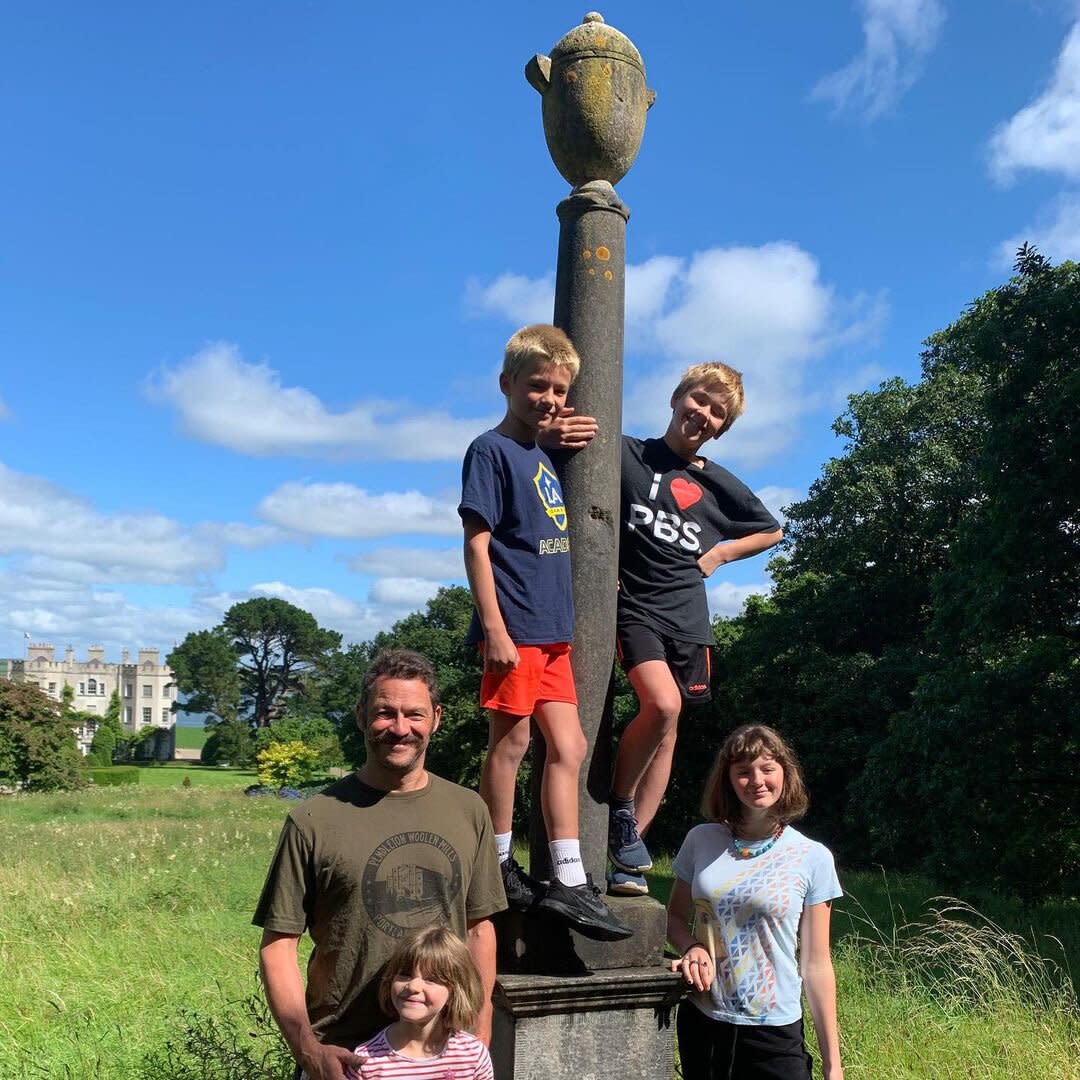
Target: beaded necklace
751	849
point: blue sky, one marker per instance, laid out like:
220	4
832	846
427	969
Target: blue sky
258	263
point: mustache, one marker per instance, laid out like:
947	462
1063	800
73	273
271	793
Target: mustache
388	738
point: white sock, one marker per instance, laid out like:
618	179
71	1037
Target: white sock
502	845
566	862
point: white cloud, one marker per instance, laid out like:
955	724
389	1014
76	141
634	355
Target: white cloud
898	35
64	612
355	620
343	510
427	564
726	600
775	497
516	298
5	412
411	594
45	522
1045	134
1056	233
223	400
647	287
766	311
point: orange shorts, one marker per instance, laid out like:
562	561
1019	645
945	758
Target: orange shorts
543	674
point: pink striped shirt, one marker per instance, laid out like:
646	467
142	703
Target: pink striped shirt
464	1057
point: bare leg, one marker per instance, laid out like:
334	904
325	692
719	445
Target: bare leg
643	764
566	749
508	739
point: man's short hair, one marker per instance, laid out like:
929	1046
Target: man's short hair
540	342
719	378
398	664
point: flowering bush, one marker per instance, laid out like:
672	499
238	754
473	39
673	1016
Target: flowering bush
287	764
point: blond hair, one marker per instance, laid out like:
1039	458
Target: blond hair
540	342
437	954
715	377
719	801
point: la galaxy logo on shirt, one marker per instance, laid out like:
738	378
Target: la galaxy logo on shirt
547	487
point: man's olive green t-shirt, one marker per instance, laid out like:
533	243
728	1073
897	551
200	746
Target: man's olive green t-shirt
359	869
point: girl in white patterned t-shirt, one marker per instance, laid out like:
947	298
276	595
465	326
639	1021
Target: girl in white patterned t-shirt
432	986
750	912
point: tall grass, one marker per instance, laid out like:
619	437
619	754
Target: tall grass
128	954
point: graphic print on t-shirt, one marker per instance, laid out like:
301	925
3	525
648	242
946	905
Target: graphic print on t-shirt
663	524
757	896
685	492
411	881
547	487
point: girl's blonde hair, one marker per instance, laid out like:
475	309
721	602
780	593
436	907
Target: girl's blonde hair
437	954
719	801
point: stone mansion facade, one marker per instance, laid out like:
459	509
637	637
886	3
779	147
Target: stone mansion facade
146	688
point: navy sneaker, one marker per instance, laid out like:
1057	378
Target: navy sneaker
627	850
582	908
620	883
523	892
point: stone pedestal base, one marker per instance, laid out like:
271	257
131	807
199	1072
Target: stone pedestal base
535	944
609	1025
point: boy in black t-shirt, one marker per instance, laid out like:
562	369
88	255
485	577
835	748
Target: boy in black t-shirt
682	517
517	557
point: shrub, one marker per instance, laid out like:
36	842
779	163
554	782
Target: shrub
241	1040
113	776
287	764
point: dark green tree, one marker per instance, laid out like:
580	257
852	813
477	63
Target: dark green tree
251	664
205	671
109	740
991	745
37	740
920	647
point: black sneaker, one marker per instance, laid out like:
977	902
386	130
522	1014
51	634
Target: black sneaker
522	892
582	907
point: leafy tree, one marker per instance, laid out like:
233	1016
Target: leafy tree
230	742
994	727
205	671
920	646
252	663
37	740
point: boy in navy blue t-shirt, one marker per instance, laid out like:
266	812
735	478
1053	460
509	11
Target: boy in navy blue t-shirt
517	557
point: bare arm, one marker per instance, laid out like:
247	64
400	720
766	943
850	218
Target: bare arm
278	962
480	940
500	653
734	550
819	981
695	964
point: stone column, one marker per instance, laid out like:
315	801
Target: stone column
567	1006
589	304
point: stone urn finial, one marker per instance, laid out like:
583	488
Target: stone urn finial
594	101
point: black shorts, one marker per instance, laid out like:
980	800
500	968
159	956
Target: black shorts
714	1050
689	661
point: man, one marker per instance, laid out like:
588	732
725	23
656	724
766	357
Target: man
384	851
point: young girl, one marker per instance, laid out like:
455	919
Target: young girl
432	986
747	887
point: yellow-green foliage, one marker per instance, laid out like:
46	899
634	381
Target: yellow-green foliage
287	764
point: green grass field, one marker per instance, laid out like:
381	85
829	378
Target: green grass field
125	906
190	738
